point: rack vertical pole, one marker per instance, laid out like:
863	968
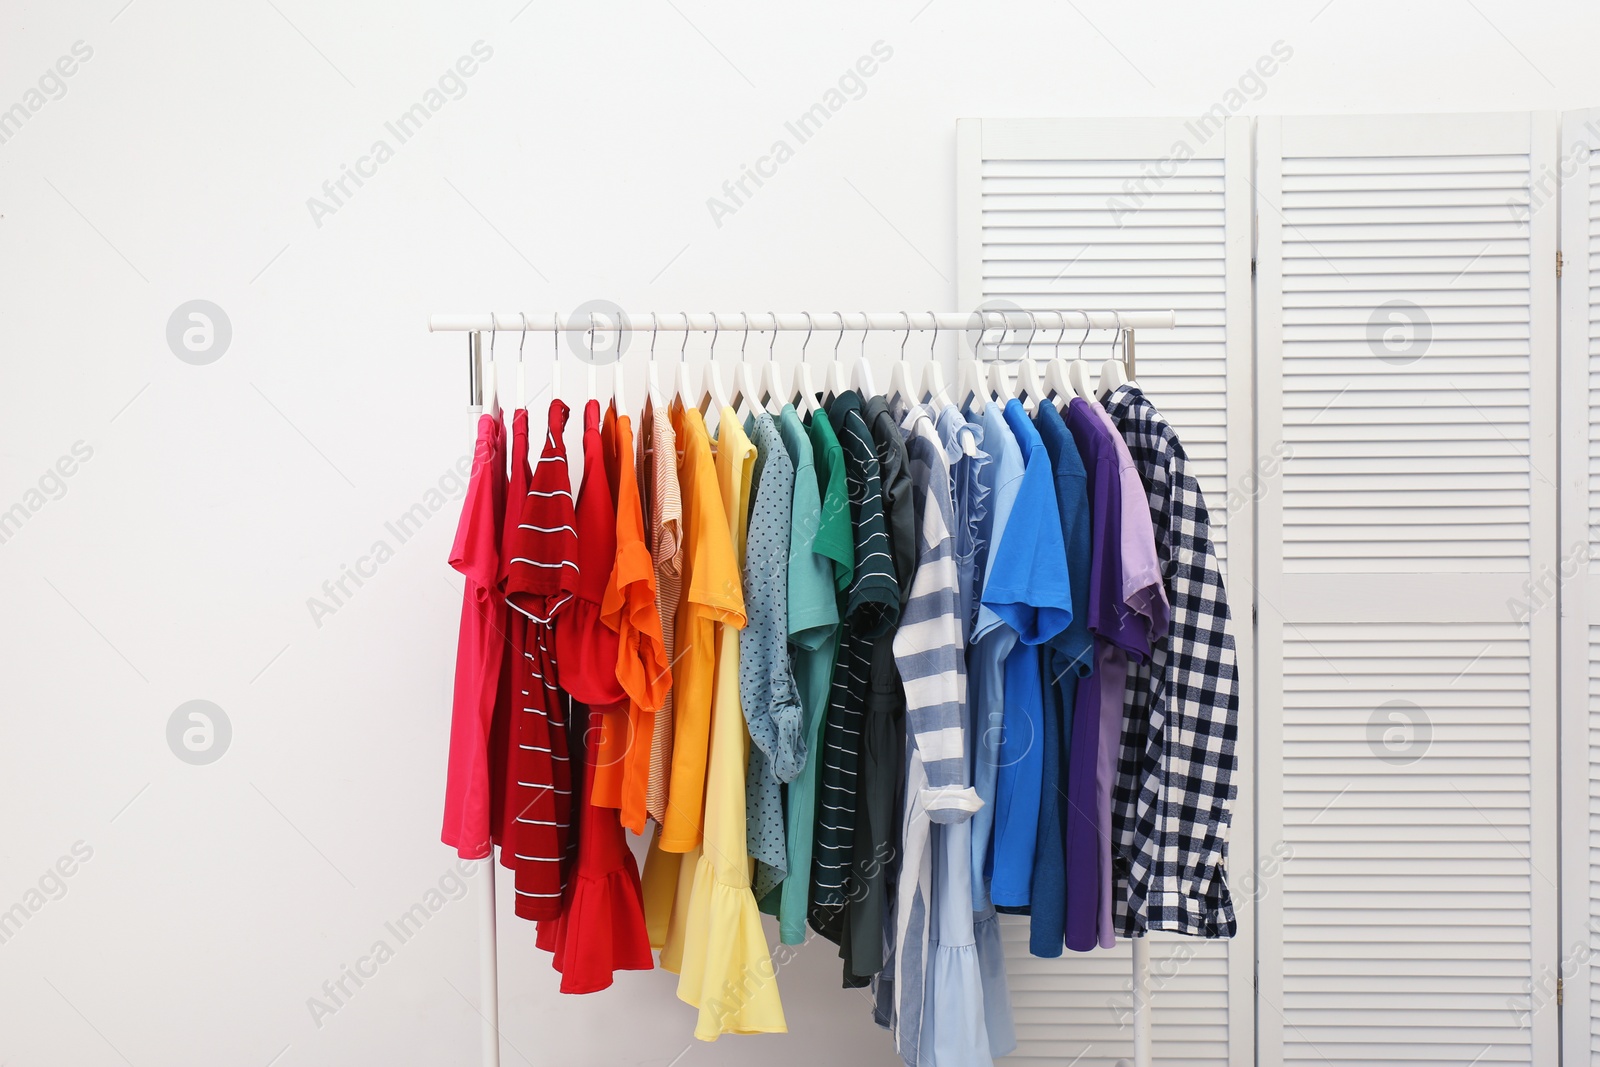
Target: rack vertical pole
488	967
475	375
1141	1001
488	958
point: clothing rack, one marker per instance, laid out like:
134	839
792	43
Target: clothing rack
477	325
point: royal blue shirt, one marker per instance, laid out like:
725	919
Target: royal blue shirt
1029	588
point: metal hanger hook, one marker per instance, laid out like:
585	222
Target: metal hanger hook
652	335
524	316
934	347
1032	332
840	341
745	337
685	346
773	344
807	342
907	316
983	328
716	328
588	338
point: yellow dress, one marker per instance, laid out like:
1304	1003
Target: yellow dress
726	970
707	603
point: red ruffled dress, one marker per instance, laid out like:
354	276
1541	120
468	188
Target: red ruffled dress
601	927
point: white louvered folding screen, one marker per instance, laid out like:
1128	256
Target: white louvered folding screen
1577	582
1136	214
1406	373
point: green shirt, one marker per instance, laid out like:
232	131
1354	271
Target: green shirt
834	537
820	550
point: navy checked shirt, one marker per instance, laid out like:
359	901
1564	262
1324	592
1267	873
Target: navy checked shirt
1181	724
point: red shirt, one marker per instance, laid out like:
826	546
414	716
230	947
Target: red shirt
601	928
541	583
587	649
479	647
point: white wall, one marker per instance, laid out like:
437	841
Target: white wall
176	562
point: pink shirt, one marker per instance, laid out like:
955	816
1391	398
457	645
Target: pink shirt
476	554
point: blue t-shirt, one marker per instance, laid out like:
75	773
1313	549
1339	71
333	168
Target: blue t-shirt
992	639
1029	588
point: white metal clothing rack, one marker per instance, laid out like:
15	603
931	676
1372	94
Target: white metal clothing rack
982	320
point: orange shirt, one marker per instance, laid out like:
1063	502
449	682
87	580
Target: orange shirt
629	608
711	594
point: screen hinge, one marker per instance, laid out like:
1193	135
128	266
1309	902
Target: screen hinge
1558	263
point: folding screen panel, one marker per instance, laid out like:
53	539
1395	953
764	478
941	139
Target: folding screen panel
1407	380
1136	214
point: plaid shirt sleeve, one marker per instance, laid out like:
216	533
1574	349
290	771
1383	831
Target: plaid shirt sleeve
1175	772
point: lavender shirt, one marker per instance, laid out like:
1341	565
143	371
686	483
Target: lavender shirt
1144	593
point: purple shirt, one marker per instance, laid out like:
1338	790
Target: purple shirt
1115	629
1142	592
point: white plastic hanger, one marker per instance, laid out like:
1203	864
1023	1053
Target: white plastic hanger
900	386
934	392
1078	373
771	395
712	390
588	341
684	389
863	375
936	395
1000	384
651	375
522	377
1056	385
1029	391
805	390
618	391
746	388
555	362
971	392
839	375
1114	371
491	402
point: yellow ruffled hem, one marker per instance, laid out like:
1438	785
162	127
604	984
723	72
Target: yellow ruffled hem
727	971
